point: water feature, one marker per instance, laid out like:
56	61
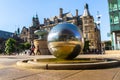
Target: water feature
65	42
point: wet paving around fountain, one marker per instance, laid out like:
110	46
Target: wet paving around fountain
9	71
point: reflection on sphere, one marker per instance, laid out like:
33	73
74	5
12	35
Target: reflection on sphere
65	41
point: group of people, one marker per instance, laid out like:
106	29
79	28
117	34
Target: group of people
33	51
30	51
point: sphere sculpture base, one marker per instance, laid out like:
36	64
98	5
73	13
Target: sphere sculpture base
78	63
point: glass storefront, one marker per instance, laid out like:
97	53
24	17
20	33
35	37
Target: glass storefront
114	9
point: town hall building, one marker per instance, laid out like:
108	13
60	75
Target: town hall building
85	22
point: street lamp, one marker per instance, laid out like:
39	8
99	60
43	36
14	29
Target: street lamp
98	24
98	19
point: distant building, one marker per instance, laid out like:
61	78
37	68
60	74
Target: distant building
114	14
90	31
84	22
5	34
27	34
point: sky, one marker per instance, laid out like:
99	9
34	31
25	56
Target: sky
19	13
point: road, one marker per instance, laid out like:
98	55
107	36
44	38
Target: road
9	71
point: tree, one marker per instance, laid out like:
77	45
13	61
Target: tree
86	47
27	45
2	45
10	46
23	46
108	45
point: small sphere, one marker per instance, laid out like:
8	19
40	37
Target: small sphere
65	41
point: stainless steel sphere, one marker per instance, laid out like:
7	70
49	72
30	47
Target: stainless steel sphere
65	41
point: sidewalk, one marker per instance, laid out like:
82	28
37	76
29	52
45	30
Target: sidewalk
16	73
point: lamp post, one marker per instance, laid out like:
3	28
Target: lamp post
98	24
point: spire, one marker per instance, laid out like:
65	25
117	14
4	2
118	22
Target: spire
86	10
18	31
33	18
76	12
36	15
35	21
86	6
61	13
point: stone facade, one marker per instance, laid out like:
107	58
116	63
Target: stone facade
27	34
90	31
84	22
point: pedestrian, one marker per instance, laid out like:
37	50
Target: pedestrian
32	51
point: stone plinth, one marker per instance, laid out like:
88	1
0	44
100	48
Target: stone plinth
41	47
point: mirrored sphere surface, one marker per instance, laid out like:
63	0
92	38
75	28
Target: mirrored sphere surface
65	41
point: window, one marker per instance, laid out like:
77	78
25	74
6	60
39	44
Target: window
86	28
25	38
85	22
116	19
119	15
90	21
91	44
86	36
91	28
24	33
111	19
114	5
110	6
91	35
119	4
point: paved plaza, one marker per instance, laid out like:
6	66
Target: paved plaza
9	70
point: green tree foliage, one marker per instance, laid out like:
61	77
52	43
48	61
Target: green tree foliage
86	47
23	46
10	46
1	51
2	43
27	45
108	45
